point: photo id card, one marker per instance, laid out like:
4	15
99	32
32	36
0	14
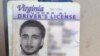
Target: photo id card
43	28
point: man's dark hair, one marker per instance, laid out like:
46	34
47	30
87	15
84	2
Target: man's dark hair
34	23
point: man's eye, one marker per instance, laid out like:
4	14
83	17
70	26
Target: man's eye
25	36
35	37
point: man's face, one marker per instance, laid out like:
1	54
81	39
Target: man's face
31	39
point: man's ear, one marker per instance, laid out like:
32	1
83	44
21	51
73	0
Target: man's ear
42	42
20	38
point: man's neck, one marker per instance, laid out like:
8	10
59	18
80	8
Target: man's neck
23	54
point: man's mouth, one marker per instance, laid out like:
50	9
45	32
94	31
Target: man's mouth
29	47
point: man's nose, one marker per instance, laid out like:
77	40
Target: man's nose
29	40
